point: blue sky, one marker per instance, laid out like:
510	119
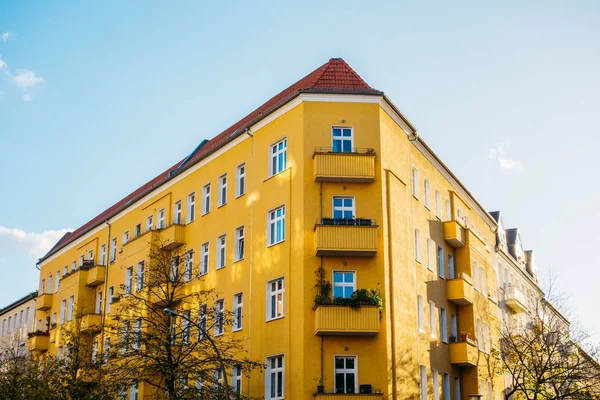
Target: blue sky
98	97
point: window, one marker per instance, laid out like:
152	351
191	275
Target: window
239	243
222	190
344	284
70	308
420	313
177	213
111	293
206	199
99	303
275	299
128	280
426	194
204	260
73	265
219	317
175	269
444	325
94	351
432	319
133	392
456	388
106	353
446	386
342	140
138	230
191	207
185	327
278	160
417	245
454	326
59	353
436	384
43	286
238	308
221	251
81	260
201	321
49	284
415	182
275	387
276	226
161	219
423	383
448	210
236	380
346	374
125	237
150	223
479	335
343	207
483	280
438	204
63	308
487	345
113	250
137	334
139	284
451	272
188	266
241	180
475	275
440	262
217	383
430	254
102	257
53	320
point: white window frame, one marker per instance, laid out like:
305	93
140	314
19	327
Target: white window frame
238	311
102	258
137	334
343	208
202	316
271	378
111	293
346	371
431	254
140	276
448	210
343	285
98	308
275	299
423	381
433	319
456	388
150	223
70	308
219	317
186	333
239	243
417	242
435	380
420	313
125	237
128	280
113	250
125	336
438	204
63	313
222	190
444	324
191	208
440	262
446	385
451	267
342	139
414	178
275	224
278	164
106	351
205	258
221	251
240	175
206	199
177	212
426	193
188	268
236	380
161	219
133	392
483	280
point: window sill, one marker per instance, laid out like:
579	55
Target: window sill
279	173
237	329
415	196
219	334
218	268
276	243
237	196
419	261
189	222
221	205
238	260
205	213
275	319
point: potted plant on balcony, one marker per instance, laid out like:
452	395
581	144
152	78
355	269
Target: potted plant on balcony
320	384
464	336
322	287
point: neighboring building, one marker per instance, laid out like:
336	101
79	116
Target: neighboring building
327	173
16	321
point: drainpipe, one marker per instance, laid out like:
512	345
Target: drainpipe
391	282
104	294
322	354
249	183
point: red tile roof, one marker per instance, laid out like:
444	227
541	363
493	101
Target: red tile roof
335	76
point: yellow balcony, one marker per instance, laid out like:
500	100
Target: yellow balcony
44	302
172	236
464	354
343	320
454	234
340	396
75	278
91	323
460	291
330	166
515	299
96	275
141	246
38	341
350	237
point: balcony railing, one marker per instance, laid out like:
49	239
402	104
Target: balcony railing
44	302
355	166
515	299
38	341
460	290
454	234
344	396
346	237
464	353
344	320
96	275
172	236
91	323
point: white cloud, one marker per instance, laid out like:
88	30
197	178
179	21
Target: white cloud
27	97
35	244
26	79
7	35
506	163
3	65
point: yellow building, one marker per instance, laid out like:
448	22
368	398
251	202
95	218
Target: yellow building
327	174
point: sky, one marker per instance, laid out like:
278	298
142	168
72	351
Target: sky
96	98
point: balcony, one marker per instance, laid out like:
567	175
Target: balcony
346	237
454	234
141	246
172	236
464	354
460	291
91	323
515	299
44	302
340	396
345	321
38	341
96	275
357	166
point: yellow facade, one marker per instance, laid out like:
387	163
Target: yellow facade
388	346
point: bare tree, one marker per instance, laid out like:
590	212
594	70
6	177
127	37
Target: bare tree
167	353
